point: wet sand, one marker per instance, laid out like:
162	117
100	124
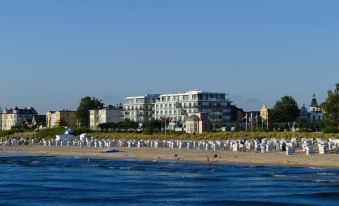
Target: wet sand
193	155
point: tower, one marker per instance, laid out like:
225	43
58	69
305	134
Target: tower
315	111
314	107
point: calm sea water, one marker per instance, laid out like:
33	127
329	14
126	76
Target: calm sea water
28	180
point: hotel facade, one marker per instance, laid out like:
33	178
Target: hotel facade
177	107
16	117
140	108
61	118
105	115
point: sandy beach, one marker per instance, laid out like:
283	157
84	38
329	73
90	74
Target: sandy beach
195	155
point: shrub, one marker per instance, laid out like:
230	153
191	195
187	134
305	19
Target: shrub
148	130
80	130
6	133
330	130
50	133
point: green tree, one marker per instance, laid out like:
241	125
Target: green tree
107	126
331	106
86	104
127	124
284	110
154	124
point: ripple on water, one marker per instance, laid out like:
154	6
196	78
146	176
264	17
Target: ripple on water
81	181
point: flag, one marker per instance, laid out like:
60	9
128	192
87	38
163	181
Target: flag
244	117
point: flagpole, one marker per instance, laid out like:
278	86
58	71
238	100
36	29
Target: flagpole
262	123
165	126
251	121
267	122
246	122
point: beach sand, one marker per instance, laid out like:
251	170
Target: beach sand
227	157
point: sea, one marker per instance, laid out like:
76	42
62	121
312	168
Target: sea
49	180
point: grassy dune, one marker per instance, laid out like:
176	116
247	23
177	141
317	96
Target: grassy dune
214	136
50	134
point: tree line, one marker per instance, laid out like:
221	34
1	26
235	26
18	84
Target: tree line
285	110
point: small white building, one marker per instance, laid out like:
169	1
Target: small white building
105	115
196	123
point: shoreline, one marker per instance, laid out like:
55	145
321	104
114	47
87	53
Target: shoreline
276	158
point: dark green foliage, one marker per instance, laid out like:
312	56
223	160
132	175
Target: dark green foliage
50	133
108	126
7	132
127	124
86	104
331	107
330	130
284	110
148	130
154	124
80	130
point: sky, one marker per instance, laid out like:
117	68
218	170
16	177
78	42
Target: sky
53	53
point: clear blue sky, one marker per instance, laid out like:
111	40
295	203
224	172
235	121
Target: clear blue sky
54	52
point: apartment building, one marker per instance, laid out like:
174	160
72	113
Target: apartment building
140	108
178	106
16	117
61	118
105	115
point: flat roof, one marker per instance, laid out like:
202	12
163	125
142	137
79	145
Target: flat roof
193	92
145	96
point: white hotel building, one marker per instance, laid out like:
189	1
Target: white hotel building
140	108
178	106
